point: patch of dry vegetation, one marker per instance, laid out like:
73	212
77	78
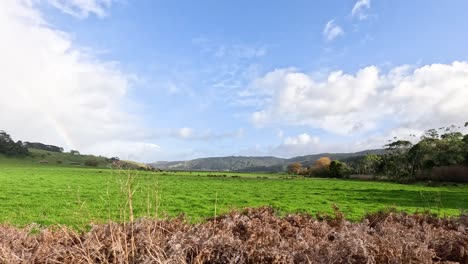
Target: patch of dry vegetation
249	236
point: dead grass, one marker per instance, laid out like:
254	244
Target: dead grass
249	236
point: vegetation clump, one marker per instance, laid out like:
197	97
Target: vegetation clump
37	145
9	147
249	236
92	163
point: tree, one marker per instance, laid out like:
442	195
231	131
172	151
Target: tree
74	152
11	148
338	169
450	149
37	145
321	167
465	142
322	164
396	162
370	164
294	168
444	147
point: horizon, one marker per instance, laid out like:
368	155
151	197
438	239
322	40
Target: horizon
170	81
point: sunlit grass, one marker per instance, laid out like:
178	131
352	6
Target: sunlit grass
78	196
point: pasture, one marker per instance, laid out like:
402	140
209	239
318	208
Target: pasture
76	196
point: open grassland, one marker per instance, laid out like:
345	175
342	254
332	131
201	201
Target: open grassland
47	195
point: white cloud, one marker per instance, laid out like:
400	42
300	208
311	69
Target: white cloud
360	9
82	8
53	92
331	30
140	151
378	140
302	144
185	132
302	139
420	98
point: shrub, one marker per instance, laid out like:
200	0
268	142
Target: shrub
406	180
445	173
249	236
92	163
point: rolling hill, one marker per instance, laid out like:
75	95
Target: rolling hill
253	164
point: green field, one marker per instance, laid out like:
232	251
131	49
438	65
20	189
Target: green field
49	194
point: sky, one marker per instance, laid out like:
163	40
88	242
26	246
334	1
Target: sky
153	80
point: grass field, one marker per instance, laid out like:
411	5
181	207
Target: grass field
47	194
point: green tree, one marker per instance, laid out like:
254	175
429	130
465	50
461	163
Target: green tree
338	169
371	164
396	162
11	148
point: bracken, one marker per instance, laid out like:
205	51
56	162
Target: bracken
248	236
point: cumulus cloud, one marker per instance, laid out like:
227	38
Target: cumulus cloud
347	104
302	144
82	8
53	92
360	9
302	139
332	31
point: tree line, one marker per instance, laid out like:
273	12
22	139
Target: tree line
439	154
9	147
37	145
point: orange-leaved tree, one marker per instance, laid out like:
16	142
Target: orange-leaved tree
294	168
322	164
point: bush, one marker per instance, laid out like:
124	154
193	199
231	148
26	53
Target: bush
445	174
92	163
249	236
59	162
406	180
320	173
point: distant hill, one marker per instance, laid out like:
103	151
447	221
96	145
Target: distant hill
18	152
253	164
54	158
45	157
231	163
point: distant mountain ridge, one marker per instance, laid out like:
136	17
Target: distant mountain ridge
253	163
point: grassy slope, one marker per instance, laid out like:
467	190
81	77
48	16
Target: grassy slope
77	196
38	155
62	159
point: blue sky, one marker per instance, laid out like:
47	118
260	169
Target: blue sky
169	80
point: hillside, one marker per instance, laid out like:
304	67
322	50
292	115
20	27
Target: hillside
230	163
51	158
253	164
44	157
